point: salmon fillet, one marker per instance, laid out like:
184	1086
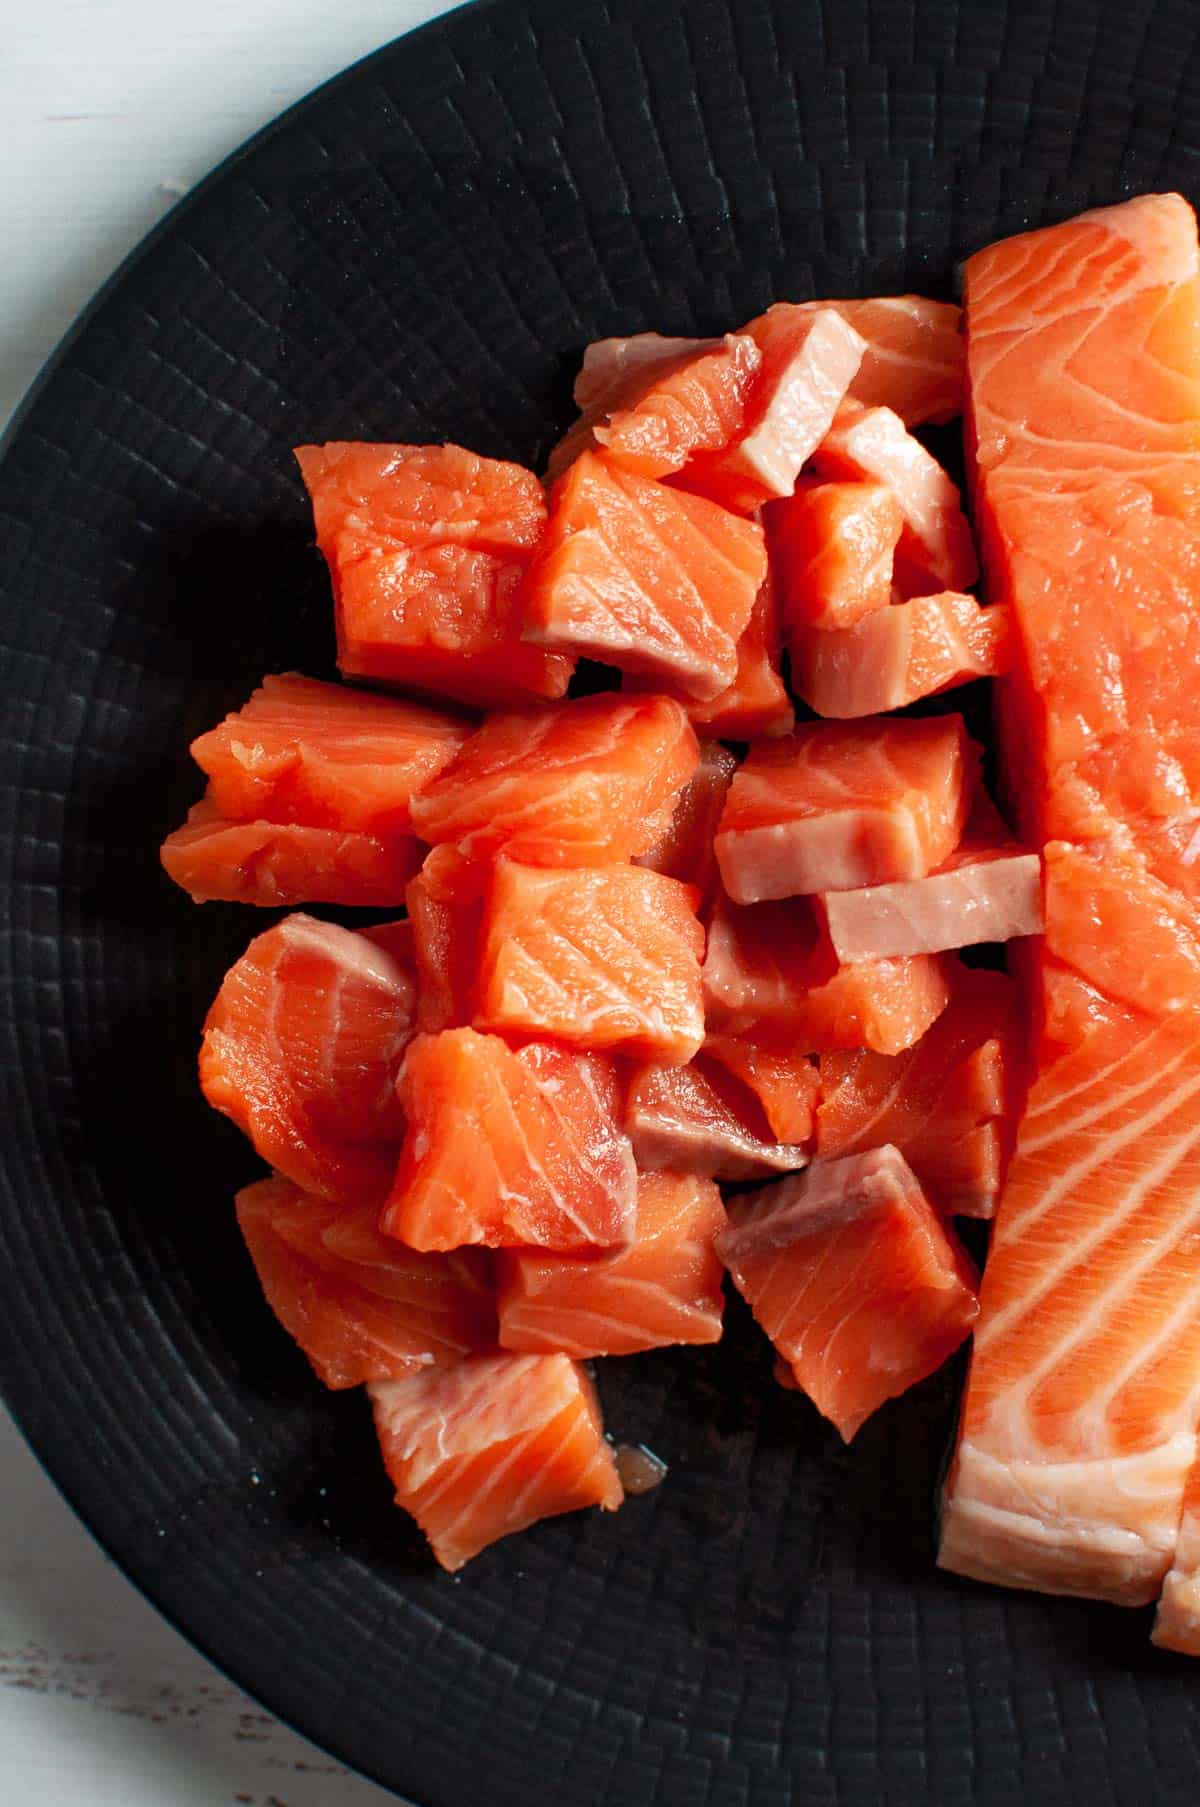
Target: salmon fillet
900	654
491	1446
1079	1423
664	1288
280	864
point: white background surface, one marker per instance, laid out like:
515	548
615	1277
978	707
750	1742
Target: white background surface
108	110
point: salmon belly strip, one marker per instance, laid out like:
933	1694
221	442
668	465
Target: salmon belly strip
1079	1423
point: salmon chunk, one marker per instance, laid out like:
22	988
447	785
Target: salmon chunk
445	907
279	864
685	850
834	546
900	654
694	404
699	1119
913	353
783	1080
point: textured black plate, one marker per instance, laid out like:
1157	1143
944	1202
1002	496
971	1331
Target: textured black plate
419	252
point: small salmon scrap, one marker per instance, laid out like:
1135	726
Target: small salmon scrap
838	805
900	654
833	546
583	782
489	1447
664	1288
427	548
771	975
598	957
645	577
360	1305
857	1282
685	850
280	864
913	353
948	1103
936	551
301	1049
509	1147
990	889
445	907
699	1119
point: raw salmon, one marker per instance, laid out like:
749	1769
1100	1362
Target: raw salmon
900	654
445	907
784	1080
833	546
599	957
1079	1423
855	1279
584	782
685	851
507	1147
771	974
428	547
809	360
615	373
275	864
756	704
491	1446
838	805
326	756
664	1288
936	551
361	1306
1177	1621
697	404
948	1103
301	1049
645	577
699	1119
990	889
913	355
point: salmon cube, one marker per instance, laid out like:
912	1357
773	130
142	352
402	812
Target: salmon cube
694	404
491	1446
361	1306
833	546
274	864
699	1119
600	957
948	1103
838	805
914	356
685	850
853	1276
783	1080
809	361
326	756
664	1288
990	889
580	783
301	1050
936	551
645	578
509	1147
770	974
900	654
445	907
427	548
615	373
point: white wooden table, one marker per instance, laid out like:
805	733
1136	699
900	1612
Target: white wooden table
109	109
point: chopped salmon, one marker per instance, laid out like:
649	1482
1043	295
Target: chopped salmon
858	1283
617	373
509	1147
599	957
491	1446
445	907
838	805
696	404
645	577
664	1288
301	1050
770	974
809	361
699	1119
326	756
900	654
756	704
913	353
833	546
361	1306
427	548
990	889
948	1103
936	551
784	1081
275	864
685	850
584	782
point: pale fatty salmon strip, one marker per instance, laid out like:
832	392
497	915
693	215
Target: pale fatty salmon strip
896	656
1079	1422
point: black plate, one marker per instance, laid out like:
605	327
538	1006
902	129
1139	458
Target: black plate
418	252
